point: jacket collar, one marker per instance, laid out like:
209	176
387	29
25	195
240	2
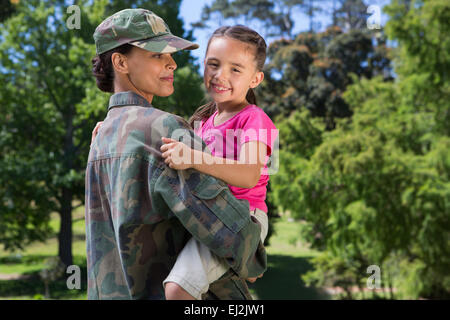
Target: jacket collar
128	98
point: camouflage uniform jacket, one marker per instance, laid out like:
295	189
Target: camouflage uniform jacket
140	213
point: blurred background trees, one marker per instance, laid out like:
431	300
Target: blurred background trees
375	190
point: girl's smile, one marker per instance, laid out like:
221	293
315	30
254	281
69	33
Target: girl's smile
219	89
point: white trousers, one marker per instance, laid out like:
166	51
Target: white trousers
196	266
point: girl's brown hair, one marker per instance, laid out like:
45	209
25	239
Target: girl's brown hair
246	35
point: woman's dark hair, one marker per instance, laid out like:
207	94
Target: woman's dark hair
103	70
246	35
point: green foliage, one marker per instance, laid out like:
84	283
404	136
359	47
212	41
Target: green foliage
423	59
44	142
376	189
332	271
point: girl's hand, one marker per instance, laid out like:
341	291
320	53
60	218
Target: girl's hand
177	155
95	131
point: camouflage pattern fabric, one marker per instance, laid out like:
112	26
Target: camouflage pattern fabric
228	287
141	28
140	213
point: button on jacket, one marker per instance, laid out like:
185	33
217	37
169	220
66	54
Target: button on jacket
140	213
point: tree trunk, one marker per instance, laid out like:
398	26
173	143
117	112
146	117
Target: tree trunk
65	231
47	291
391	289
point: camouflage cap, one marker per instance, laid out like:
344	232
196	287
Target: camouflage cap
141	28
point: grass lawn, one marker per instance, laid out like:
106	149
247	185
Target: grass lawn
288	259
30	261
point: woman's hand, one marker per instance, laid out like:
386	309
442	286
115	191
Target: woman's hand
177	155
95	131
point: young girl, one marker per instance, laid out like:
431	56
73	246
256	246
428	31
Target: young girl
234	128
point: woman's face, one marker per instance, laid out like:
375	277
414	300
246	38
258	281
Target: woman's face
151	73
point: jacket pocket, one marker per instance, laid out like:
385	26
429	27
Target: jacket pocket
233	213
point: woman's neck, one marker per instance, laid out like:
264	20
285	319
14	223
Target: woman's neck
123	86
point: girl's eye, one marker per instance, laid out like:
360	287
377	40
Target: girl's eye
157	56
236	70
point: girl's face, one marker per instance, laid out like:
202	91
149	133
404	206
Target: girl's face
151	72
230	70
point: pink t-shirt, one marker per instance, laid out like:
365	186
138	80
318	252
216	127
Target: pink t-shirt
225	140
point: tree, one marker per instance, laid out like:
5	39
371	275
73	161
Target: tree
423	57
50	105
352	14
376	190
310	9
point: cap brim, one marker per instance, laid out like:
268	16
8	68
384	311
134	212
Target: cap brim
165	44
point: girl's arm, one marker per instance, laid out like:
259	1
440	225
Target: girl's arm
243	173
95	131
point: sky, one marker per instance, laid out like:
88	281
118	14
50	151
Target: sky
190	11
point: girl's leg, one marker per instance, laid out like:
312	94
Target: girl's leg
175	292
188	278
196	267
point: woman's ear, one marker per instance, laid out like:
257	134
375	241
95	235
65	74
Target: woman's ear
257	79
119	62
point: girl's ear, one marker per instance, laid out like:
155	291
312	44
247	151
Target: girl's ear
257	79
119	62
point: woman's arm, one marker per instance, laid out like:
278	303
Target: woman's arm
244	173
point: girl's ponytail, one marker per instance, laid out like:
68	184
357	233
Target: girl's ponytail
251	97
